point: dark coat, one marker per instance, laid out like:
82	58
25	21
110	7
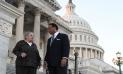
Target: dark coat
32	59
60	48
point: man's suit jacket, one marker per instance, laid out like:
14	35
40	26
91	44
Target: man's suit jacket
59	48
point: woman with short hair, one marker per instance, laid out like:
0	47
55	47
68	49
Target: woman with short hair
28	58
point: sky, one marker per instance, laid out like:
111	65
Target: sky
106	20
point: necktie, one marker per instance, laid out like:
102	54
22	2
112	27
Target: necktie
52	38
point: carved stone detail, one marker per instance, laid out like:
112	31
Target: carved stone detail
5	28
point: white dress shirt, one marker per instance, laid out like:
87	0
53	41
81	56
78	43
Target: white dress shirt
30	43
55	34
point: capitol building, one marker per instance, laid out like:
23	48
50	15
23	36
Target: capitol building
20	16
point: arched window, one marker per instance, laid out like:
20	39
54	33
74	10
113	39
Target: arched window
81	22
89	39
75	37
85	38
70	37
70	21
77	22
92	40
80	37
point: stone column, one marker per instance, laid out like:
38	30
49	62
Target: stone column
98	55
95	54
20	21
80	53
91	53
37	28
86	53
74	49
46	37
71	52
101	56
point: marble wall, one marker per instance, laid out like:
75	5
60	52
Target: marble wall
4	42
8	14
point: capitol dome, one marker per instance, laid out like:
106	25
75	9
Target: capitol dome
74	20
83	39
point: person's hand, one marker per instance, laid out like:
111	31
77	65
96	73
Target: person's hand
23	55
63	62
45	65
38	67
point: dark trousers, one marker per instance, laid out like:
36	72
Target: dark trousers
57	70
25	70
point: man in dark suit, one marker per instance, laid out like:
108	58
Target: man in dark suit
57	54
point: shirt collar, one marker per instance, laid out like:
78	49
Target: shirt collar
55	34
29	43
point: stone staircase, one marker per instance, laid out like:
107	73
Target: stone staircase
11	69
